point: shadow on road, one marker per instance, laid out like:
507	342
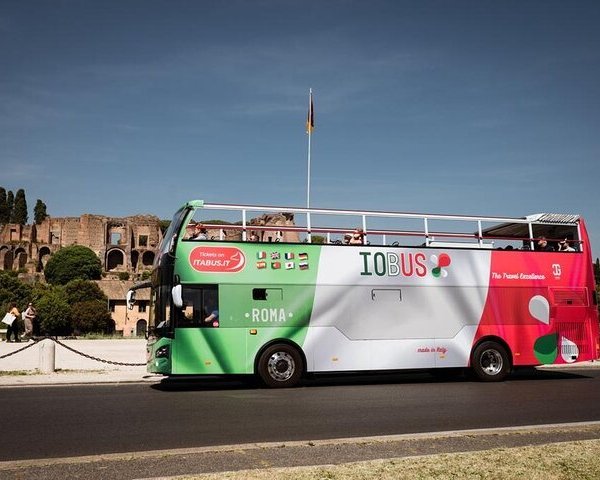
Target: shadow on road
248	382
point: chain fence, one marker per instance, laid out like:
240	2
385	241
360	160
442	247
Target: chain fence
29	345
71	349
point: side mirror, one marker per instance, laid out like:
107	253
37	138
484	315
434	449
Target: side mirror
130	299
172	244
176	294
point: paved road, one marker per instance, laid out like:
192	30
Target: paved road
45	422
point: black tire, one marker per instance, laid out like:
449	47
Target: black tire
490	362
280	366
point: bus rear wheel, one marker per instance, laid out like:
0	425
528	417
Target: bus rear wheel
490	362
280	366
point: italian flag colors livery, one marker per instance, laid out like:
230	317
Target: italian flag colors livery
257	297
350	308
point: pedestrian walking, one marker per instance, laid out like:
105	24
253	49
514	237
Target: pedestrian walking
12	328
28	318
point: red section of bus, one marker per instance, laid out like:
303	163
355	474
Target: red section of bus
541	294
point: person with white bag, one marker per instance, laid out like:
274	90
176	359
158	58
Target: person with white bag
12	328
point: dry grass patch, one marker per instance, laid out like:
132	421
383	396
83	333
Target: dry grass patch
557	461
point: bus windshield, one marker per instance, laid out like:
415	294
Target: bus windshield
171	233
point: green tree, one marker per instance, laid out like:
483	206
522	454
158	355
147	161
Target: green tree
4	212
70	263
91	316
10	203
39	212
13	290
54	313
597	271
78	291
20	215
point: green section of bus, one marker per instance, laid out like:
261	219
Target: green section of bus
270	300
266	263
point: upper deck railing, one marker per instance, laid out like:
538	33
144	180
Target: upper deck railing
468	231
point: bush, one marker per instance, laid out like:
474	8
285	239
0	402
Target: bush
91	316
54	313
146	274
84	291
70	263
123	276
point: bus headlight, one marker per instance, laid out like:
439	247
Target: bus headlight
162	352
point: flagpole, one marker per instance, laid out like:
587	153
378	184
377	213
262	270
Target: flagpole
309	131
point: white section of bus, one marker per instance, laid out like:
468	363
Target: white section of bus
395	321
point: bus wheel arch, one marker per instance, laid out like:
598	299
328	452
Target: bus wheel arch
280	364
491	359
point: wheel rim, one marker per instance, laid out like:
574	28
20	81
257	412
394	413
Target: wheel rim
281	366
491	362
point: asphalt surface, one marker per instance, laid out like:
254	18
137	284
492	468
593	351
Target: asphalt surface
97	420
164	464
138	417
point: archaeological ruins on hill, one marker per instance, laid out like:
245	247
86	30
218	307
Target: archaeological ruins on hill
125	246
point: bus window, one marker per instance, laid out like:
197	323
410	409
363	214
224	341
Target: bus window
211	307
200	307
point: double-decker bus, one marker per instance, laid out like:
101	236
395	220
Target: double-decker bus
412	291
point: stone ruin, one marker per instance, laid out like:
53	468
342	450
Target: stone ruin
127	244
267	220
124	245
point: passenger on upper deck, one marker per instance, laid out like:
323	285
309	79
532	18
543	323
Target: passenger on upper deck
200	233
542	245
358	237
563	246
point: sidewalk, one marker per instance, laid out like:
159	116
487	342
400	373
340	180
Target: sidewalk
22	368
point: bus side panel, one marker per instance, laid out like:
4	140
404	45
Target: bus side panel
208	351
266	293
524	307
390	308
266	312
370	328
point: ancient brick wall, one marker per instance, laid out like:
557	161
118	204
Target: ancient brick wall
29	246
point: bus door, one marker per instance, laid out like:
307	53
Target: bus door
193	350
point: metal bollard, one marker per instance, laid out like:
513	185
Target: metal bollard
47	356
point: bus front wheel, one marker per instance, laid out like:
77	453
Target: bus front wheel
280	366
490	362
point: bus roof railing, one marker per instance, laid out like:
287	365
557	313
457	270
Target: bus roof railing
536	218
503	228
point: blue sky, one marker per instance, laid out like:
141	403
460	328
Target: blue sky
466	107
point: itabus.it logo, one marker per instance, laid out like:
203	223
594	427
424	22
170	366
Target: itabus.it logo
217	259
440	263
